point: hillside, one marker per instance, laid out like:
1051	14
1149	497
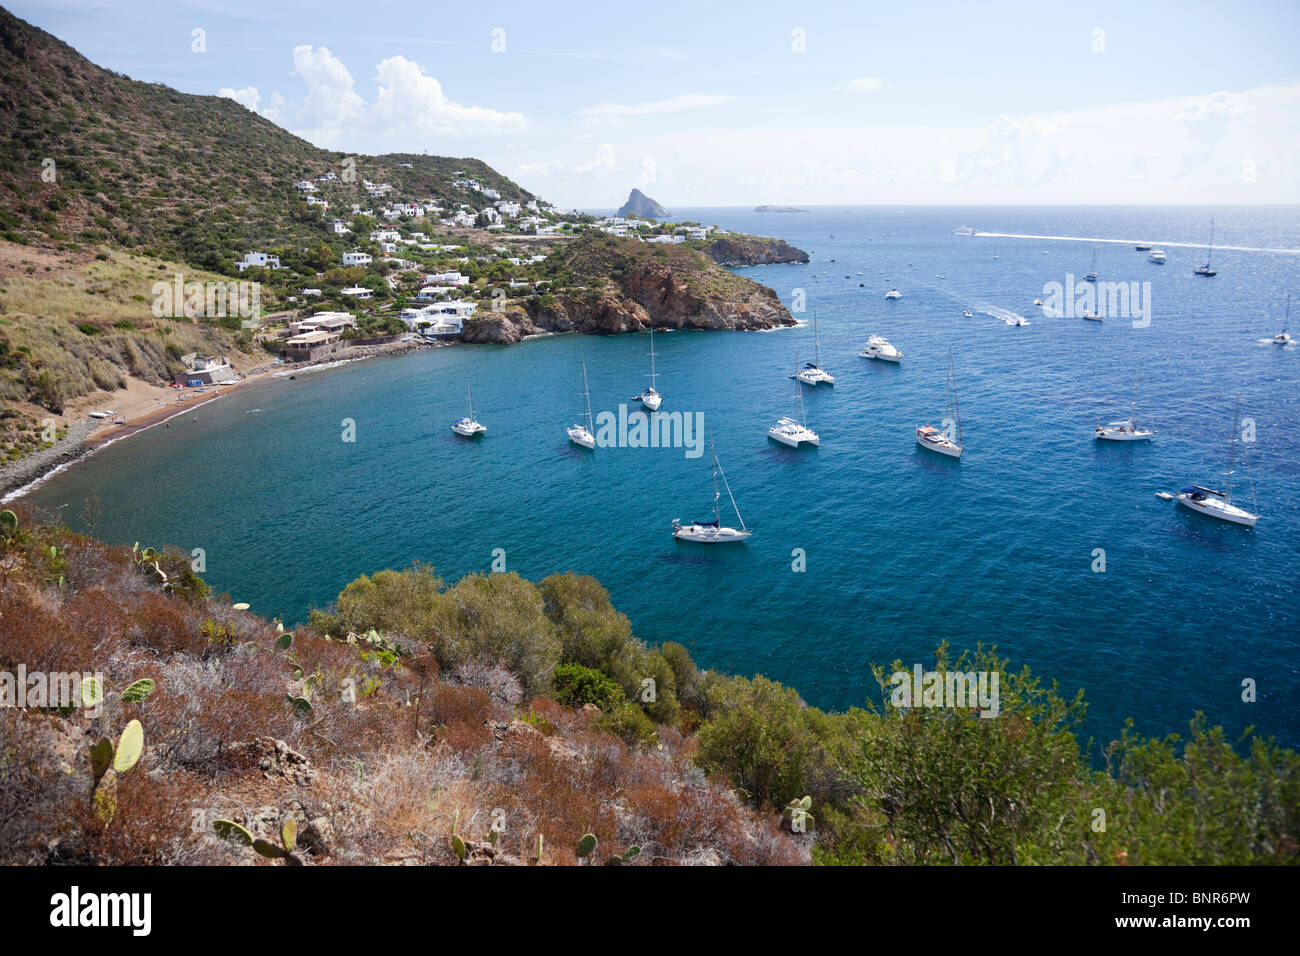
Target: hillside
414	717
144	167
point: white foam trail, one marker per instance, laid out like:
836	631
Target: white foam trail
1154	243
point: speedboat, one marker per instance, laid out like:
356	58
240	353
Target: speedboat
1142	248
789	431
893	294
1093	316
1038	302
1157	256
1124	431
967	313
878	347
1216	504
1017	320
964	231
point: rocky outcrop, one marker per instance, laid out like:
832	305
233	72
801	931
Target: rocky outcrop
753	251
641	206
650	295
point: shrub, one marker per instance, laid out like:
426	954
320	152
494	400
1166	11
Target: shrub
576	685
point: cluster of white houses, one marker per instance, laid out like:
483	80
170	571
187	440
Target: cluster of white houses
631	227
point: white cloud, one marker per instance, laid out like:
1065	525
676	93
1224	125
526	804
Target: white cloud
865	84
677	104
410	96
331	102
247	97
602	164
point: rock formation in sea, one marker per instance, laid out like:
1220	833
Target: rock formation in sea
641	206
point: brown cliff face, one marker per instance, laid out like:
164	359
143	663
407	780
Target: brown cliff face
753	251
630	289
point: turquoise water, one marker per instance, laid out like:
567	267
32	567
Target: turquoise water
903	548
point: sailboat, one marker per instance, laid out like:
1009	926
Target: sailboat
650	398
1092	273
712	532
812	373
793	431
582	434
468	427
1218	504
935	440
1128	429
1205	270
1283	337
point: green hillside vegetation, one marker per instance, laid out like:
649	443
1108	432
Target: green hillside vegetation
390	721
200	179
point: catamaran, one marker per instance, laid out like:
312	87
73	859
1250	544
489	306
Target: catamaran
712	532
1218	504
1157	256
878	347
582	434
812	373
1128	429
1205	270
793	431
893	294
468	427
650	398
935	440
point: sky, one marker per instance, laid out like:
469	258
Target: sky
708	104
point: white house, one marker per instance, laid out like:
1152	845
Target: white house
305	186
339	228
447	278
356	259
507	207
258	260
310	292
388	248
358	292
385	235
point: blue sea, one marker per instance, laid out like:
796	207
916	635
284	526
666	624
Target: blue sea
903	549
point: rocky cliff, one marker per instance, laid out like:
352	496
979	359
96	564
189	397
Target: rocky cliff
738	250
628	289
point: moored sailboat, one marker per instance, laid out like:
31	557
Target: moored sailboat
582	434
713	532
935	440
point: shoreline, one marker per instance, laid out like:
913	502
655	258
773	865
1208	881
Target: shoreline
87	436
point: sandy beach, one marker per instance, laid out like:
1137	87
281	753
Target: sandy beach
142	406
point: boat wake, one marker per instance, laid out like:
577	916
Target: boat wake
1134	242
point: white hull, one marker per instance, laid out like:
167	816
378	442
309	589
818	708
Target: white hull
1139	435
1217	508
893	295
937	443
468	428
793	435
651	399
815	377
580	436
878	348
708	534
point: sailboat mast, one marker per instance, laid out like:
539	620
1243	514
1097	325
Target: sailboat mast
1209	253
471	401
716	516
952	396
652	355
1232	449
586	392
817	342
726	484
